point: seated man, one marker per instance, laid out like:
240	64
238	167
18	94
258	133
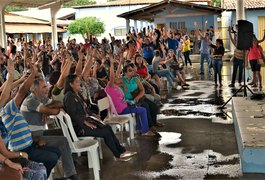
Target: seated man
19	137
35	107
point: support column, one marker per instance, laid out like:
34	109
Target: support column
54	9
135	25
146	24
142	25
240	10
215	26
127	25
3	4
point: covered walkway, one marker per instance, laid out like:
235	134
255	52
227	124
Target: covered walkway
54	6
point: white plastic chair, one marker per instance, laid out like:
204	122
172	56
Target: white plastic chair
77	146
130	117
114	119
57	123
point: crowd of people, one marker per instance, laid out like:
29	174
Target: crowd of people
38	80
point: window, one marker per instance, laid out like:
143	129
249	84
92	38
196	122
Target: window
177	25
120	32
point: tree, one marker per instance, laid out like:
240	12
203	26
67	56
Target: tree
86	26
14	8
78	3
216	3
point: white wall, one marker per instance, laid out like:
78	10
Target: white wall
109	16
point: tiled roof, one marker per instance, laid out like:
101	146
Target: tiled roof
131	2
249	4
30	28
119	3
13	18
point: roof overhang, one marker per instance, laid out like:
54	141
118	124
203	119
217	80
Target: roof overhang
36	3
30	28
149	13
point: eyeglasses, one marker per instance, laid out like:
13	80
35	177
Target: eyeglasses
129	70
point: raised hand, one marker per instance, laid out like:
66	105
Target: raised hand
10	67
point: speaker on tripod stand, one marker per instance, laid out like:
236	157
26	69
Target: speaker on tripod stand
244	42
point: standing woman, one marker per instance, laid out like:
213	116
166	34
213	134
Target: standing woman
217	59
186	50
254	54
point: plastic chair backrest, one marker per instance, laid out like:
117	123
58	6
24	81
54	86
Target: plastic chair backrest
66	131
113	108
64	117
103	104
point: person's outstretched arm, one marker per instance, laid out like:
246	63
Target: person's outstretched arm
27	84
8	84
231	37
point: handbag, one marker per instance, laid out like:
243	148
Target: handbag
135	94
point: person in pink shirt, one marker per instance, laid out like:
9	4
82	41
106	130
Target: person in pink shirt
121	104
255	53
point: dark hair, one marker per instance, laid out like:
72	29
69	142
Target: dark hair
13	49
69	79
157	53
220	41
126	66
54	77
99	61
136	64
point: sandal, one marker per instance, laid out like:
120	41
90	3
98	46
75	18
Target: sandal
148	134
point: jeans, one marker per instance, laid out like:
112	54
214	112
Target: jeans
66	155
166	73
217	66
157	90
187	57
237	64
151	109
44	154
143	124
109	138
207	57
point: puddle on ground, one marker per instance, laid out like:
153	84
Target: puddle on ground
202	102
169	138
196	166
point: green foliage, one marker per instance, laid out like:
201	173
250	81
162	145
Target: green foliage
78	3
216	3
14	8
86	26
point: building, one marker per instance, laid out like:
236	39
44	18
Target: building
254	12
107	12
31	28
175	14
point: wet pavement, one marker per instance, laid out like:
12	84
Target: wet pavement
198	139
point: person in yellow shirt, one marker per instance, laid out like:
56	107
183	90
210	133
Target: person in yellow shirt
186	50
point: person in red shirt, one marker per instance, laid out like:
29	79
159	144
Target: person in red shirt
255	53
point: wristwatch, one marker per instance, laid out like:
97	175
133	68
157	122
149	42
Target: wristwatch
21	154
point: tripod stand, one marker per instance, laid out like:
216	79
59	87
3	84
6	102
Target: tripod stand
245	87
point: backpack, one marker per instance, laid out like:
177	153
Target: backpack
34	170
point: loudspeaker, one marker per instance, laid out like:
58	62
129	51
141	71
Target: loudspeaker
245	35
